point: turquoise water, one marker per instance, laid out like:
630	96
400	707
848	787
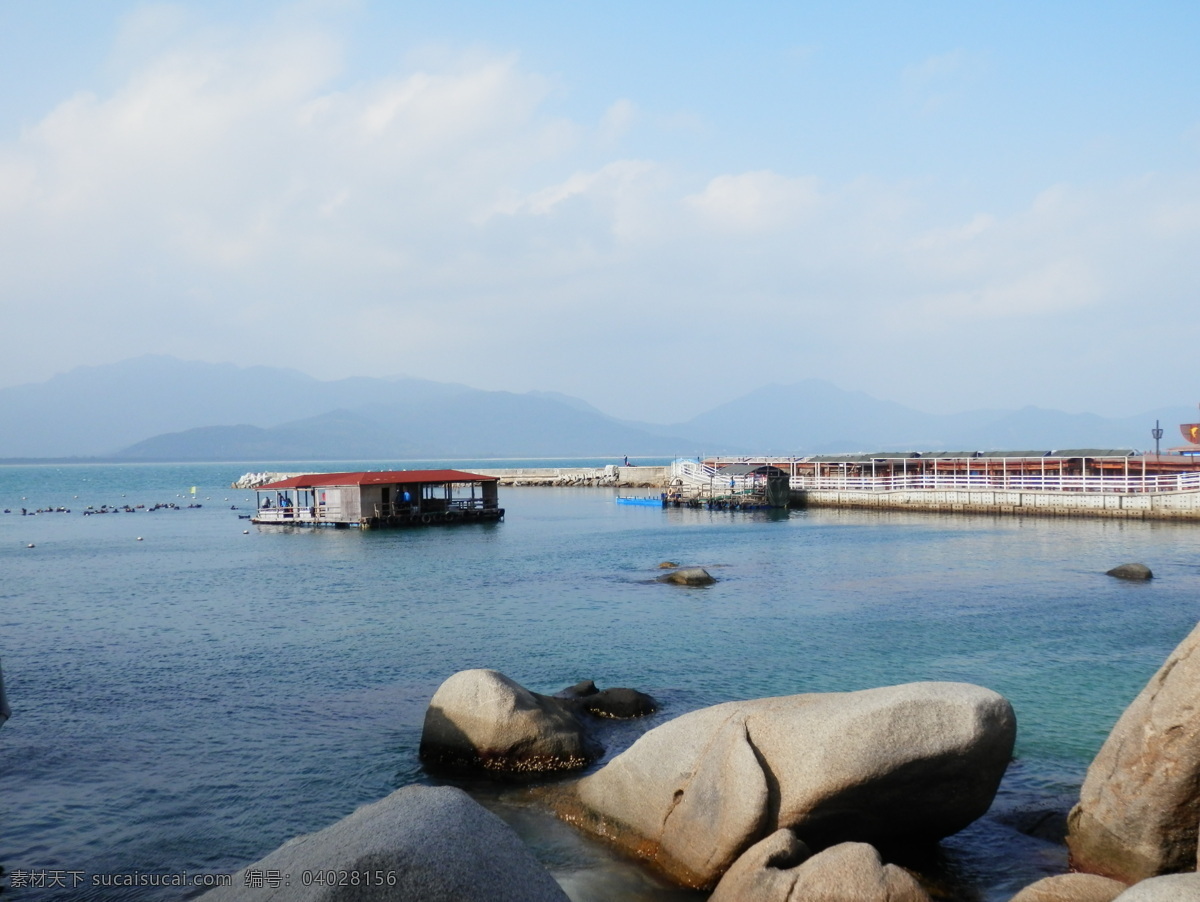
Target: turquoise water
190	701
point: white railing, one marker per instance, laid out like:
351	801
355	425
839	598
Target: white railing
321	513
692	473
1025	482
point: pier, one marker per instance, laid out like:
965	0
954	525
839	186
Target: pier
1081	483
1078	482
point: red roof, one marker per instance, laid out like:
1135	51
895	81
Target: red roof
382	477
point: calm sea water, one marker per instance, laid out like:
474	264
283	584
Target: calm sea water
190	701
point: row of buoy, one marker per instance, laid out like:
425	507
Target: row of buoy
245	532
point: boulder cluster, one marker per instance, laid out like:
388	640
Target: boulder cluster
786	799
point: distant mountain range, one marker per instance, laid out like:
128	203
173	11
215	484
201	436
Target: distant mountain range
161	408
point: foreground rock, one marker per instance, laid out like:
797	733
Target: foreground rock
1131	571
1140	802
432	844
688	576
912	762
1071	888
779	869
766	872
1171	888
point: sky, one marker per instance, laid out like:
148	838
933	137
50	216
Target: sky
653	207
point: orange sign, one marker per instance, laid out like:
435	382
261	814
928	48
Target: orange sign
1191	432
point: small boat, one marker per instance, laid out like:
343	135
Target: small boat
645	501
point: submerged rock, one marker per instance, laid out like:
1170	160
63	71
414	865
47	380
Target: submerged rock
619	703
1140	801
1130	571
912	762
483	719
688	576
429	843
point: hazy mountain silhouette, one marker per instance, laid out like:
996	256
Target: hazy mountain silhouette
161	408
99	410
814	416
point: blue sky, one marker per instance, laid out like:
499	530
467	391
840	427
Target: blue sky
948	205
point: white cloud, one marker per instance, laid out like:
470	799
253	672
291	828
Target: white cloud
940	81
618	119
755	201
235	199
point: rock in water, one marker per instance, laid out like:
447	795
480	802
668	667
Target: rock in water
431	843
616	703
482	719
919	761
1130	571
619	703
689	576
1140	802
582	689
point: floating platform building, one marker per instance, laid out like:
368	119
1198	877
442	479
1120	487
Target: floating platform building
379	499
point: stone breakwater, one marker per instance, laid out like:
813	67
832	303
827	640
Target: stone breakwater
602	477
254	480
597	477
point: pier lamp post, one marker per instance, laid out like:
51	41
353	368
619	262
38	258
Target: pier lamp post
1156	432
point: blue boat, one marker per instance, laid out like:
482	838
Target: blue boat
646	501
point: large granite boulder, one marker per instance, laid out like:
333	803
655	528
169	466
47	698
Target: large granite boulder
482	719
919	761
780	868
1140	803
1170	888
1071	888
432	844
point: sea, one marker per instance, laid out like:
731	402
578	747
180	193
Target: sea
190	691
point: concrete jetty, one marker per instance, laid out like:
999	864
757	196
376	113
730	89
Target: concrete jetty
611	476
608	477
1181	505
1082	483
